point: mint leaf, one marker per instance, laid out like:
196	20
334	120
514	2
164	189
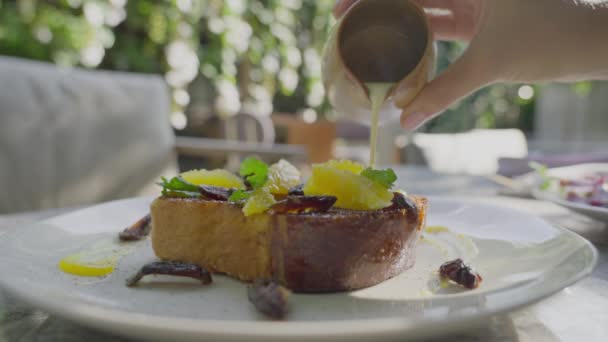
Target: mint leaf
177	187
538	167
254	171
180	194
386	178
239	195
542	171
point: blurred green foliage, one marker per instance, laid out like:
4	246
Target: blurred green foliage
256	53
496	106
260	55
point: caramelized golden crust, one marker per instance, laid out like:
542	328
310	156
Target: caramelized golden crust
214	235
333	251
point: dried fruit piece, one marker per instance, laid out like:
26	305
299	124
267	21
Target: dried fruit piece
352	190
303	204
282	176
138	230
460	273
215	193
296	190
400	201
220	178
180	269
269	298
260	201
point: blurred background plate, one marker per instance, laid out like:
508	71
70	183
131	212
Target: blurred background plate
569	172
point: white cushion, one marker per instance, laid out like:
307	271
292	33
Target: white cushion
73	136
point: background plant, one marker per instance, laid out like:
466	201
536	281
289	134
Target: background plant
258	56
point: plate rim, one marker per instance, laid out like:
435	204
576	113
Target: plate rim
120	321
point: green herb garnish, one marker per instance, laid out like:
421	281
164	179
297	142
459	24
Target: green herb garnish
386	178
255	172
542	170
239	195
180	194
178	187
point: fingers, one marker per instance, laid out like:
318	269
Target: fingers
444	24
444	27
449	19
459	80
447	4
447	28
342	6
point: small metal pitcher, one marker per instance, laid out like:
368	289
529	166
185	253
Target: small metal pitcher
381	41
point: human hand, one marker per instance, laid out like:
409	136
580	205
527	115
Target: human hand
509	41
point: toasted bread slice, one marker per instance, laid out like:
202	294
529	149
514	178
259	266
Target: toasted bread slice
315	252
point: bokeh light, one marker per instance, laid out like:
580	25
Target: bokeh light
525	92
309	115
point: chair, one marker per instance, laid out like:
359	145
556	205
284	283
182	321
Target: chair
72	137
235	138
75	137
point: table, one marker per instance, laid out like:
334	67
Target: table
577	313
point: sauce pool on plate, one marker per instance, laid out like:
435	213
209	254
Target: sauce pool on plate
97	261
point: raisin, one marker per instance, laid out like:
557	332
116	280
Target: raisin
460	273
137	231
180	269
303	204
269	298
215	192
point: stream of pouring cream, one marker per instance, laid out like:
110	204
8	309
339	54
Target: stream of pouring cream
377	94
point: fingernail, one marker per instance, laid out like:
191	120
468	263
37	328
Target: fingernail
413	121
341	6
338	8
400	94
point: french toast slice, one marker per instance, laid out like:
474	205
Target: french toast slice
329	251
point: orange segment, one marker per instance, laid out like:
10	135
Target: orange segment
75	264
221	178
352	190
260	201
346	165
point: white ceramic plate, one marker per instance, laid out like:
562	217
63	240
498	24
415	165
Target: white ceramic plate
521	258
570	172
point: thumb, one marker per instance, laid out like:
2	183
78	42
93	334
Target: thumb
459	80
342	6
